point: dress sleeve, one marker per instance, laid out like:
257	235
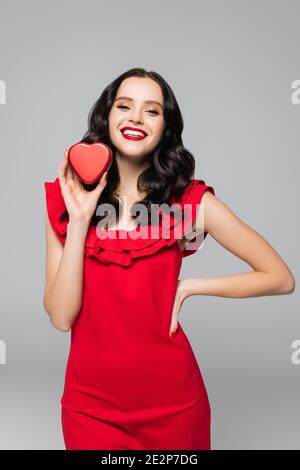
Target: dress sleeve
55	206
193	197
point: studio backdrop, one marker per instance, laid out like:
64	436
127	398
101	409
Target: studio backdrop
234	69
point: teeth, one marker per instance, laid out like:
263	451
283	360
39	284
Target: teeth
128	132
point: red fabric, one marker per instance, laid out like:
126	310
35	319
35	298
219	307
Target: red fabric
128	384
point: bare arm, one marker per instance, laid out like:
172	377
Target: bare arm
65	263
270	275
64	274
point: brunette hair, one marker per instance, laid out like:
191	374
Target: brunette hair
170	166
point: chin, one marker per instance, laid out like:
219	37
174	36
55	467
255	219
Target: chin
133	155
132	150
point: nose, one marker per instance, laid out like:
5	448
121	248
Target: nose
136	116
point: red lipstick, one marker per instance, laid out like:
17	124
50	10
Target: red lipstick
133	136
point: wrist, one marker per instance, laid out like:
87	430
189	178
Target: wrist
80	225
182	291
186	288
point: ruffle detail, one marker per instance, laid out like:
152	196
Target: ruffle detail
121	246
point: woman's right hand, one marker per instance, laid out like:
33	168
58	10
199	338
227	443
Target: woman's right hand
80	204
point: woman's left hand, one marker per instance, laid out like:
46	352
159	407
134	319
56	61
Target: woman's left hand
180	296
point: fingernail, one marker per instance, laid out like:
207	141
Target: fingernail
173	334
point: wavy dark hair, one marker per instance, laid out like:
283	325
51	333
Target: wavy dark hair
170	166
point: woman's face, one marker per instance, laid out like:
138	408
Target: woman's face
138	104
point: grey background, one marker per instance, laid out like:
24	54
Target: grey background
231	65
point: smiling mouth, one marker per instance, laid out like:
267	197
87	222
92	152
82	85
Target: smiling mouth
132	135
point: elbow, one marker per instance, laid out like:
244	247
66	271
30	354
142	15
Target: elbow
288	285
63	328
57	323
291	286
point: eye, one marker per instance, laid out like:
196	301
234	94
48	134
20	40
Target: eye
122	106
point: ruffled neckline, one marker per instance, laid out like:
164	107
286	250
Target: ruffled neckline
118	246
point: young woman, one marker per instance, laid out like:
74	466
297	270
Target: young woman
132	380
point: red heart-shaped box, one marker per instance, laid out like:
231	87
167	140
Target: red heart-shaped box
90	161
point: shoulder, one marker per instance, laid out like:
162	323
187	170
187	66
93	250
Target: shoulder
209	206
213	214
203	200
196	195
195	190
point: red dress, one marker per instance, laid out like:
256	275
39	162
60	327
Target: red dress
128	384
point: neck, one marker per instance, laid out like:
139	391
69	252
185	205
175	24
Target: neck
129	171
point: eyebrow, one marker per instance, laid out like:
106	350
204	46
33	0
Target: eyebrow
130	99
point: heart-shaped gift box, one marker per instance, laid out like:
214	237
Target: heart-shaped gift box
90	161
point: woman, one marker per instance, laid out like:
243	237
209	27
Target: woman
132	380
